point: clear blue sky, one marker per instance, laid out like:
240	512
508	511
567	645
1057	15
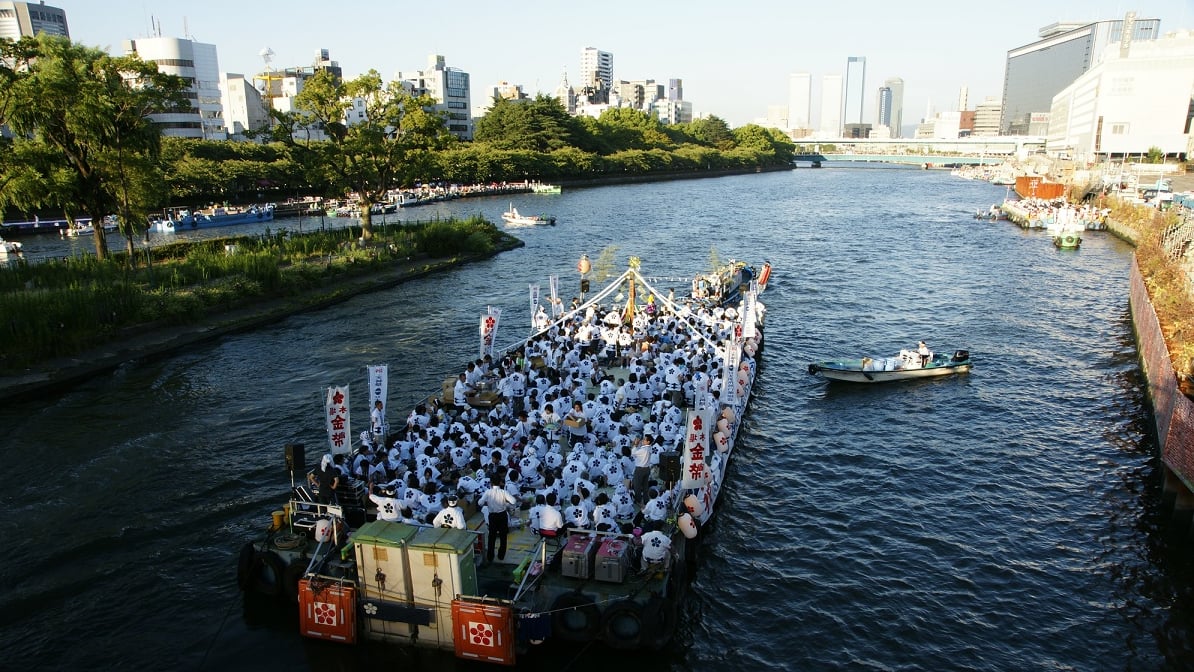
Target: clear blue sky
734	57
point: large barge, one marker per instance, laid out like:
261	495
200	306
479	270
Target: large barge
657	386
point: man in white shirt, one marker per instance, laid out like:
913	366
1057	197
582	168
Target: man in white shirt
642	470
499	502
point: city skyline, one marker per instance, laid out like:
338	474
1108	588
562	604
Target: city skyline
535	43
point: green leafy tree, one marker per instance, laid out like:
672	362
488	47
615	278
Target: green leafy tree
87	113
390	145
711	131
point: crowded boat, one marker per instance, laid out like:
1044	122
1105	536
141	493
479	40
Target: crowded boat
552	490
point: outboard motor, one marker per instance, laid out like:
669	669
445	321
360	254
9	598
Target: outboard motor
960	356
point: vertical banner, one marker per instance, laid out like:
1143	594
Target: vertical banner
534	304
496	314
748	312
697	429
379	381
557	306
729	374
339	430
489	325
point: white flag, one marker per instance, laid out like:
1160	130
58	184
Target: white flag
379	381
496	314
339	427
534	304
698	427
730	375
557	307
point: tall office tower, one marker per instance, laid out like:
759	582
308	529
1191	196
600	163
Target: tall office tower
897	106
963	98
855	88
675	89
596	66
800	100
197	64
831	106
25	19
986	117
883	108
1036	72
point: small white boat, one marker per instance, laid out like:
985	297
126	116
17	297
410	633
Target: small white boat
7	248
513	218
88	229
905	366
540	188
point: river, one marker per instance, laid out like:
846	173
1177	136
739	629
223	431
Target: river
1004	520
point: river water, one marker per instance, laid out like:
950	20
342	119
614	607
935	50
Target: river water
1004	520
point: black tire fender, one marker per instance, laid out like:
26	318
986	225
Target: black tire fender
575	618
622	625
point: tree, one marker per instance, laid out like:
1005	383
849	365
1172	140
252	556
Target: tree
389	145
87	115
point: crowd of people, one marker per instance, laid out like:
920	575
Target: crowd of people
572	432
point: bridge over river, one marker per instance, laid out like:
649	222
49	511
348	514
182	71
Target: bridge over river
817	160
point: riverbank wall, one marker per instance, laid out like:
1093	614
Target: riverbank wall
1173	412
663	177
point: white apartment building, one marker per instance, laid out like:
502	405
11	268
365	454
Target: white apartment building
198	65
450	89
596	66
1136	97
244	109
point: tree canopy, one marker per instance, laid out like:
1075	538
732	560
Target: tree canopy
378	136
81	126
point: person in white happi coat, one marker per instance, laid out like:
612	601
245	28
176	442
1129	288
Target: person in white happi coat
389	508
450	516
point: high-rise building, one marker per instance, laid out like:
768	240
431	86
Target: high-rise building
565	94
675	89
896	116
855	89
1038	71
198	65
596	68
831	106
26	19
986	117
963	98
800	101
450	89
883	107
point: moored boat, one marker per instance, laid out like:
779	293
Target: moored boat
540	188
907	365
617	574
513	218
218	216
1067	240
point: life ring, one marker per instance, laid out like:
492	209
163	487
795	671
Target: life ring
290	579
622	625
267	573
244	567
575	618
659	622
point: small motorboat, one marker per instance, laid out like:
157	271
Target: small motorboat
1067	240
513	218
907	365
7	248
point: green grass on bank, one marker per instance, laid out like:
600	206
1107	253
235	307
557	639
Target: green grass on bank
64	307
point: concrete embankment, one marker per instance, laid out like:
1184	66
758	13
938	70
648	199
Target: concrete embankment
1173	412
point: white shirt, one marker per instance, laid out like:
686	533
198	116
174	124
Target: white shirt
497	499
